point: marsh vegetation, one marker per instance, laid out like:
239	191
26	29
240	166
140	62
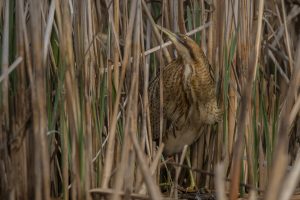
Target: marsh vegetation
74	106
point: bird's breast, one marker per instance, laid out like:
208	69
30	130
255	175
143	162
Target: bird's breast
174	143
187	74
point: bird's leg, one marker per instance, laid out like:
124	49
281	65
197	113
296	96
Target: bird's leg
193	186
170	128
174	130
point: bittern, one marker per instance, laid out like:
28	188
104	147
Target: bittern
189	95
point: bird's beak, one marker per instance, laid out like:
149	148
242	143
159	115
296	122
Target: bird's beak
180	45
172	36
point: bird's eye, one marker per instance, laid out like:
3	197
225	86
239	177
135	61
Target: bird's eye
184	37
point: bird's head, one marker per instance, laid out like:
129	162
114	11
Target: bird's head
186	48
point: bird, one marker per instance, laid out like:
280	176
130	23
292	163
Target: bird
189	96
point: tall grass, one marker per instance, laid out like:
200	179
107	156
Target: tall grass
74	108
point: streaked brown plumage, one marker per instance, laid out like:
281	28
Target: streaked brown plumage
189	97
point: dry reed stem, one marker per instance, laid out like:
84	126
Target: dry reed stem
210	52
109	72
123	166
110	146
153	166
295	109
291	181
76	37
166	13
41	155
220	182
116	42
165	44
108	192
276	175
181	23
149	181
156	32
66	142
212	174
48	30
153	189
4	107
4	71
88	86
174	15
252	195
64	18
177	172
130	126
287	36
20	173
11	68
146	136
280	156
245	105
146	62
283	74
281	30
65	172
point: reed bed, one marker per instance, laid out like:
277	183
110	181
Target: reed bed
74	107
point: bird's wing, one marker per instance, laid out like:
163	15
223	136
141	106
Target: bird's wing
154	101
175	103
212	72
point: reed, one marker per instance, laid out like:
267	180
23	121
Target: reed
74	107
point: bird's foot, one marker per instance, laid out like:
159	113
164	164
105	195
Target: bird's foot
192	188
